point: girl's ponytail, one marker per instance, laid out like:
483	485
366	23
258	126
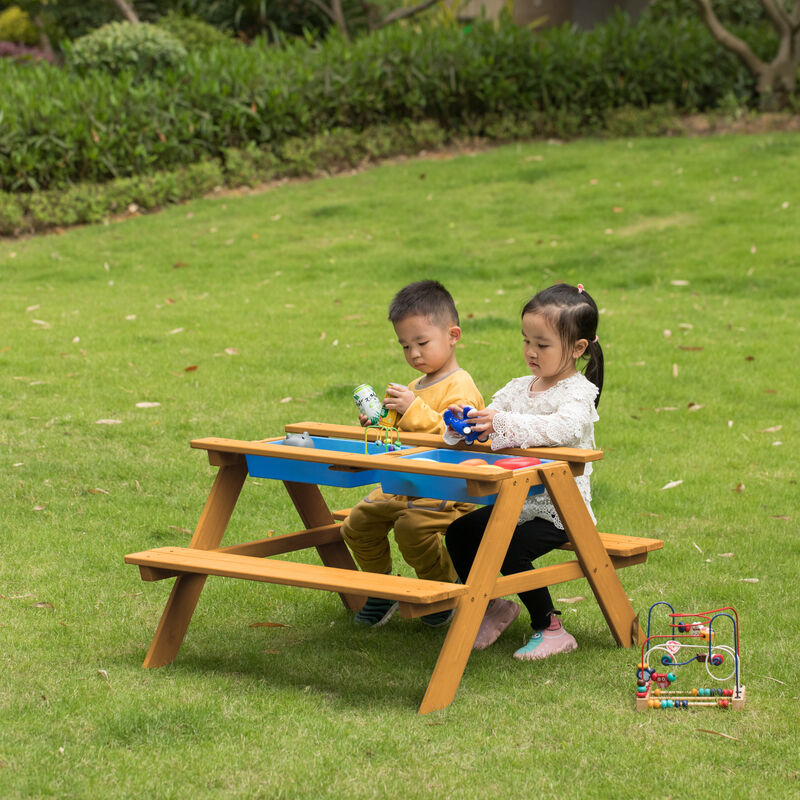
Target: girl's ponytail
594	366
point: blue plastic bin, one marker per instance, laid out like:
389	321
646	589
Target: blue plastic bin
440	488
286	469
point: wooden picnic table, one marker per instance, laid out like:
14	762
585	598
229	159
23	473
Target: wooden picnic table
598	556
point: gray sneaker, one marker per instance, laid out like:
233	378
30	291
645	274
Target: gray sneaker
375	612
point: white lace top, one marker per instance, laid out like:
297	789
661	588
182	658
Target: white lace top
562	416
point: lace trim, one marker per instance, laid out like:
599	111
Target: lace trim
563	415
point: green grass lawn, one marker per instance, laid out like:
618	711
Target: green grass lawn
237	315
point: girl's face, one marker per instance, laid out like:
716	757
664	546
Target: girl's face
544	351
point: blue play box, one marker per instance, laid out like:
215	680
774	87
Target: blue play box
287	469
438	487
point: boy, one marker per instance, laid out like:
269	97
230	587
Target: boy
427	326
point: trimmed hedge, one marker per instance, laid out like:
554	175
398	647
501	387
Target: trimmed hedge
59	128
331	151
144	49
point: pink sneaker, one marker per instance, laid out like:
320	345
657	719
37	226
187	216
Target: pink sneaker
547	643
499	615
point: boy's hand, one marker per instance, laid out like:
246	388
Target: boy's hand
363	420
399	398
481	421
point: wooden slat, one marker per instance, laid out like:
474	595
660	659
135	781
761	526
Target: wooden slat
273	546
572	454
621	545
290	573
314	513
186	590
481	581
615	544
489	474
593	557
414	610
287	542
554	574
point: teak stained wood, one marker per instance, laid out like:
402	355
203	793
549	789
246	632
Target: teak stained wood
614	543
292	573
187	588
597	556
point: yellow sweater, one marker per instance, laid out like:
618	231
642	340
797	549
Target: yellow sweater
424	415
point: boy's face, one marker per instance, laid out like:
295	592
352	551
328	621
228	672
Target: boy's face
428	346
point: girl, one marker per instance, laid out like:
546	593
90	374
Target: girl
555	407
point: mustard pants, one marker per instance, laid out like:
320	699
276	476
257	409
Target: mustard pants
419	524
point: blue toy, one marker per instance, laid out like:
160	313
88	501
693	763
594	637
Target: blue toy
461	425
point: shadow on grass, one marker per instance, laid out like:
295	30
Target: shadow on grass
354	668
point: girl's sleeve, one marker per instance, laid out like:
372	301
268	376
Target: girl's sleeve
501	400
563	428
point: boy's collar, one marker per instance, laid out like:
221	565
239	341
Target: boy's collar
420	384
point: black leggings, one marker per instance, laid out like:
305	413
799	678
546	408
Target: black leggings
529	541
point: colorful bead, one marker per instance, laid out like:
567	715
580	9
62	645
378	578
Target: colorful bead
672	677
695	692
717	659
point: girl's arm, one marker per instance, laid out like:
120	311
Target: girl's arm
483	417
566	427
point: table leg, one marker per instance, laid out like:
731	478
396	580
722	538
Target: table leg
187	588
471	606
593	558
314	513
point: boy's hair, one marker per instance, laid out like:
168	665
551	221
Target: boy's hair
425	298
574	315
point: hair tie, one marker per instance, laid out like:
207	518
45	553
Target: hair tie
580	288
595	340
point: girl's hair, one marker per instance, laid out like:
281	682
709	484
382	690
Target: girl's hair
573	313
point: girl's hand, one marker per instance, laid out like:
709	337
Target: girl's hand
481	421
399	398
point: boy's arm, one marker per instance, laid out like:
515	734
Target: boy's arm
424	418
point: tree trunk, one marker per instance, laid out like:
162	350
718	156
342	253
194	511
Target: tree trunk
776	80
336	13
126	9
405	12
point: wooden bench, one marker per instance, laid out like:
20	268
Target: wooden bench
598	555
624	551
165	562
416	597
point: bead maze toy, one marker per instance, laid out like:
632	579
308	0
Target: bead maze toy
460	424
692	639
381	419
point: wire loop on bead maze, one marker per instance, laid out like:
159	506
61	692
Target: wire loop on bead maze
387	435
